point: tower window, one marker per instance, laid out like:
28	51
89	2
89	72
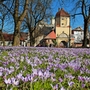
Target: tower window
62	18
62	23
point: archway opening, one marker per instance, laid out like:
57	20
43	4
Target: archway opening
63	44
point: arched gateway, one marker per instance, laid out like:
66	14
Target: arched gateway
63	40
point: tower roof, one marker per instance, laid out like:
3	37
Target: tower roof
62	13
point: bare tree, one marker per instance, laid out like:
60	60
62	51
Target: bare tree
3	14
38	10
85	8
18	9
18	18
1	33
80	7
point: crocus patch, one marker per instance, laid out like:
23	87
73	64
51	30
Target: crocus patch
44	68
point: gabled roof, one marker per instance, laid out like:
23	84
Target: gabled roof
78	29
62	13
51	35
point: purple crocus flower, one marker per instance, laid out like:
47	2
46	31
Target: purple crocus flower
7	81
14	81
69	76
27	60
80	78
62	88
40	73
83	85
70	83
60	79
53	79
19	76
87	79
1	73
35	71
26	79
29	77
22	78
1	68
10	70
75	65
46	74
55	87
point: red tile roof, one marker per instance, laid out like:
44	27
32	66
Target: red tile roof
51	35
62	13
9	37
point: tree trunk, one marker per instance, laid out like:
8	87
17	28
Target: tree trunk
31	39
85	33
2	38
16	38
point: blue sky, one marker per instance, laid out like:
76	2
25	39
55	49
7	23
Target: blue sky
76	21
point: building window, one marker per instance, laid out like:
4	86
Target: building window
62	23
62	18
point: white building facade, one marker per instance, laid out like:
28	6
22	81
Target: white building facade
78	34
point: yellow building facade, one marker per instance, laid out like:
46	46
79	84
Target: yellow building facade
62	27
